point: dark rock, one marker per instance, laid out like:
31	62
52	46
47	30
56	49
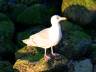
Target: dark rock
94	68
6	35
6	29
4	17
5	67
75	42
35	15
81	66
29	2
3	5
15	10
93	55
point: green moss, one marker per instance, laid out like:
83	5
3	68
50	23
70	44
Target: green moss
16	10
28	2
29	53
6	29
89	4
34	15
3	5
3	17
81	35
93	50
69	26
76	41
80	11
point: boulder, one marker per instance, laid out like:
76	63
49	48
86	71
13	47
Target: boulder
37	14
31	60
6	29
75	42
29	2
5	66
15	10
93	53
3	6
83	66
6	36
79	11
4	17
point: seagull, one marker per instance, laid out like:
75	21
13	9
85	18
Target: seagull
47	38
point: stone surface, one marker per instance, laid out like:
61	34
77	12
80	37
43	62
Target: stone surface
75	42
94	68
29	60
5	66
79	11
35	15
84	65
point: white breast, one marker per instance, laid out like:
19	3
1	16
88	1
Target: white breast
55	35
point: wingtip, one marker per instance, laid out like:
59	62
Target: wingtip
24	41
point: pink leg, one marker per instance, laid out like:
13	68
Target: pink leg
46	57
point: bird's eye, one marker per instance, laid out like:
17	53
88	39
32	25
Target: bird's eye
57	17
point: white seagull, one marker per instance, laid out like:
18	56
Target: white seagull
47	38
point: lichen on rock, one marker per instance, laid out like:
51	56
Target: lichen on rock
33	61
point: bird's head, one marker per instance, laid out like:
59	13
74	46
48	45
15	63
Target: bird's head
56	19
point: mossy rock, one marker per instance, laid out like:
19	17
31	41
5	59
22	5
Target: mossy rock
89	4
79	43
79	11
6	29
6	47
93	53
4	17
34	15
75	43
6	34
16	9
5	67
69	26
41	65
28	2
29	53
3	5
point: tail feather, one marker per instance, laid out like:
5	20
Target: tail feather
29	42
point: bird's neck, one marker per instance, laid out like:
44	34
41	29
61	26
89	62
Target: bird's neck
55	26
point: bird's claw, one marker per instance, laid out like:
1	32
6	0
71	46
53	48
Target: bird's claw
46	57
55	54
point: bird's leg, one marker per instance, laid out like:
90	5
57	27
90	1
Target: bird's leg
46	57
52	51
54	54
